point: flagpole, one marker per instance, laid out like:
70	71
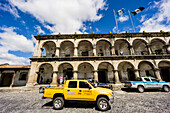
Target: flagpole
116	21
131	21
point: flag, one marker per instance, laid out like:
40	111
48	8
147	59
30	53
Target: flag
120	12
137	11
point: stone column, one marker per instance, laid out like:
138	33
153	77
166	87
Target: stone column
54	80
0	77
149	49
75	75
131	50
168	49
13	79
94	50
36	49
57	54
137	73
35	78
117	81
75	51
113	51
96	75
157	73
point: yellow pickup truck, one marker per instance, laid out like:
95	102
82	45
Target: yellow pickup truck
79	90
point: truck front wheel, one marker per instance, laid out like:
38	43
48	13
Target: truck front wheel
103	104
166	88
141	89
58	103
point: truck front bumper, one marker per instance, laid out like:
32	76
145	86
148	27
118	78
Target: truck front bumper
111	99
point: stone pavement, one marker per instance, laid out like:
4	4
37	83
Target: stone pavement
26	100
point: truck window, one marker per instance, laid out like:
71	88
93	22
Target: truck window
154	80
72	84
146	79
83	85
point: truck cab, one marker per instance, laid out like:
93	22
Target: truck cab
79	90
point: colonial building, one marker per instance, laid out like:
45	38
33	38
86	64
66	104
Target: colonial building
13	75
108	58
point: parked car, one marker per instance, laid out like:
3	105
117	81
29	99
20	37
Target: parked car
98	84
148	83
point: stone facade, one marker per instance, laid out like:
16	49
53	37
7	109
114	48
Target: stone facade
109	58
13	75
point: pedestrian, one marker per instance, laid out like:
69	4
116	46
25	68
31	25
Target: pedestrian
61	79
121	52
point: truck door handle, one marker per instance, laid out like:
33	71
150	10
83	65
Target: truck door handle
79	90
68	90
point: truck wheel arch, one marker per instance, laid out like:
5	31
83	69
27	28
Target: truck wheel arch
105	96
58	95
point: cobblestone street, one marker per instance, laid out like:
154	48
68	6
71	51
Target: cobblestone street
26	101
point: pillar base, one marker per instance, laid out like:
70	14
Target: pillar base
118	83
55	84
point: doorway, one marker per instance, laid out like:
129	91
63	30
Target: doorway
6	79
165	74
102	76
131	74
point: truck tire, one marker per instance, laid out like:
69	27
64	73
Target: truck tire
58	103
166	88
140	89
103	104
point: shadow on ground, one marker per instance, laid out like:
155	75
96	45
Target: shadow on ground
73	104
135	90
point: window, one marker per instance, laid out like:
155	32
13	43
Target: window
72	84
83	85
155	80
146	79
23	76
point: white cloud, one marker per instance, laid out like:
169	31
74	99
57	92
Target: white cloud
10	40
160	20
114	30
9	8
123	18
39	29
142	18
65	16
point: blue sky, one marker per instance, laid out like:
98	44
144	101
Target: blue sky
20	20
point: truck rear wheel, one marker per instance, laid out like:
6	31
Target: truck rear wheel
166	88
58	103
103	104
140	89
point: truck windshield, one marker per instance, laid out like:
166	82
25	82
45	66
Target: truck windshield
92	84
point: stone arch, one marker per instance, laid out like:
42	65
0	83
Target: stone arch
66	49
103	48
105	72
122	47
85	71
146	68
45	74
140	47
126	71
65	69
48	49
85	48
164	67
157	46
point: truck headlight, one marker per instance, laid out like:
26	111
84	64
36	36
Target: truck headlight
112	93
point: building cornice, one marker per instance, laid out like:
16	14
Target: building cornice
110	35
